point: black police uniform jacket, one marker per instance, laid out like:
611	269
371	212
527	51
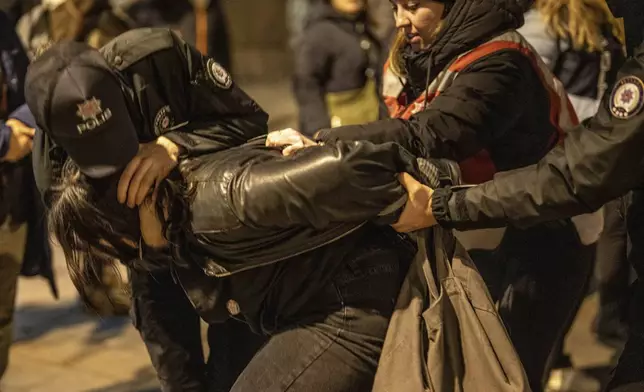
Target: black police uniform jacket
173	91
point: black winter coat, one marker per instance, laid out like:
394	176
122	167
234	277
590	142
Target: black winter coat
175	92
498	104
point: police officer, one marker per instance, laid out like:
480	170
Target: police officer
598	161
179	101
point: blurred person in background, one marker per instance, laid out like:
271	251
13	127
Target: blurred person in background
201	23
24	243
582	44
384	25
297	14
337	67
93	21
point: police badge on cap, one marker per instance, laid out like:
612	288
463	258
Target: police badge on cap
627	98
219	76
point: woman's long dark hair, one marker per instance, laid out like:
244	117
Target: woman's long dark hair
95	231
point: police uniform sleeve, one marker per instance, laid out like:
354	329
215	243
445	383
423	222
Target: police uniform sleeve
598	161
220	114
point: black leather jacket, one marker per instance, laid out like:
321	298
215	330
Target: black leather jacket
173	92
252	207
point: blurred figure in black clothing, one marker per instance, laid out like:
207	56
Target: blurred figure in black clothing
22	227
201	23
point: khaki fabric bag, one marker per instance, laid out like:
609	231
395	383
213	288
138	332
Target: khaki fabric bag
445	334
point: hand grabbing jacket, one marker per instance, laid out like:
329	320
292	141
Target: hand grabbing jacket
251	206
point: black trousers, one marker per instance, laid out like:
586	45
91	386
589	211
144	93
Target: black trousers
332	345
538	277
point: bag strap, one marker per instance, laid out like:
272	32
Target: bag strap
438	247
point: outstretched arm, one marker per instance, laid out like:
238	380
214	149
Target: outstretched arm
597	162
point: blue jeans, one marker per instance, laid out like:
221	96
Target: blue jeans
335	344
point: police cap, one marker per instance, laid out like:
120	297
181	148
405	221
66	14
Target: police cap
80	103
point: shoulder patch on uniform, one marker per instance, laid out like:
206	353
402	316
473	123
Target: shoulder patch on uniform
163	120
627	98
218	74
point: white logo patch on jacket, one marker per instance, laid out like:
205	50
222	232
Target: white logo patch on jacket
218	74
627	97
163	120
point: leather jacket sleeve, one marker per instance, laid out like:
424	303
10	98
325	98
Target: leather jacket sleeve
219	115
338	182
170	328
598	161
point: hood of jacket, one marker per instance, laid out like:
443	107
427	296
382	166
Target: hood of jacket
468	24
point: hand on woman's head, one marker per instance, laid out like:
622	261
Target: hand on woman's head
152	164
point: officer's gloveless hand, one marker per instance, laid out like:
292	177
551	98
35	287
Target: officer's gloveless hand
152	164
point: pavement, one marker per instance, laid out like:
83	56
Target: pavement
61	348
